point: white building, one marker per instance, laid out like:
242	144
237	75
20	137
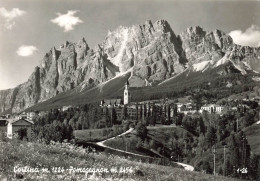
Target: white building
219	109
16	124
212	108
185	108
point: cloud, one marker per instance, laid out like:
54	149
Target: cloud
10	16
251	37
26	50
67	21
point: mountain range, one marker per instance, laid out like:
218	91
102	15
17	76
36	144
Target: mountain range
151	56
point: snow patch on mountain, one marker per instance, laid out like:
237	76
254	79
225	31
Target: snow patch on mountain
221	61
117	60
239	67
201	66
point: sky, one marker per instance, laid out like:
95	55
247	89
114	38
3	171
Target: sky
30	28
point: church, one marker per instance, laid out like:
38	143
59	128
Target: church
118	102
132	109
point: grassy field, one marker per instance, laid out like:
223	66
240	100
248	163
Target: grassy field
161	135
59	162
95	135
253	135
126	143
164	134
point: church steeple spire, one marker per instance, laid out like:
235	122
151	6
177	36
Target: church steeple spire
127	95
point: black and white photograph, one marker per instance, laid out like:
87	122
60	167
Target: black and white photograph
130	90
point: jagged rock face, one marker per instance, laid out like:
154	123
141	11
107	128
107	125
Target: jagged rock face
7	98
247	58
71	65
204	50
199	45
152	52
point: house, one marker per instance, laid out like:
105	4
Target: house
111	103
14	125
212	108
219	109
187	108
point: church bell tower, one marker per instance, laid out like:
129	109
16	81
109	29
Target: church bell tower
127	96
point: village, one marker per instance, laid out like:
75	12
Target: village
164	109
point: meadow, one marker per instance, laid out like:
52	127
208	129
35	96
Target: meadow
63	161
252	133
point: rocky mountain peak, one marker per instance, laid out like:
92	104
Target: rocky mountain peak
151	51
195	30
162	25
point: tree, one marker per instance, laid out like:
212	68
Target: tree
168	114
197	99
124	113
136	107
206	166
145	112
222	129
113	116
234	152
202	128
141	130
149	110
141	113
211	136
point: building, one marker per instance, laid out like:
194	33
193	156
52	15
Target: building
212	108
14	125
111	103
119	104
187	108
219	109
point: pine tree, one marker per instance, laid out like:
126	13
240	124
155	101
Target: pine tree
113	116
136	107
234	152
211	136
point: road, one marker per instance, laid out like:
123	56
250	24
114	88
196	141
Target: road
161	126
101	143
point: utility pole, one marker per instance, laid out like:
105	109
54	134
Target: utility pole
214	153
224	160
237	125
163	154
